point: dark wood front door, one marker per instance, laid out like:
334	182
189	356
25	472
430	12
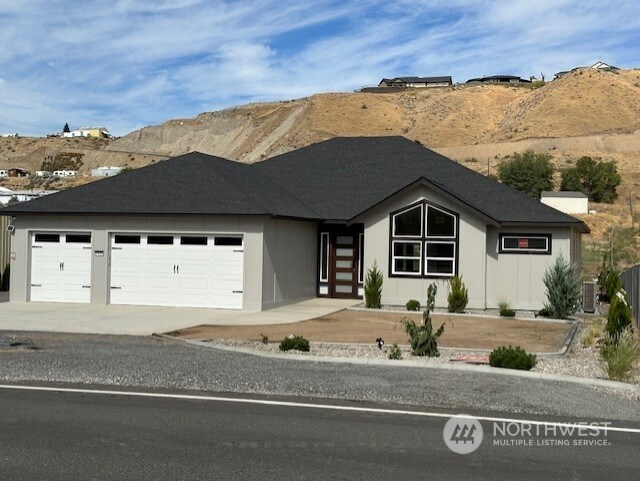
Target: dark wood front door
344	275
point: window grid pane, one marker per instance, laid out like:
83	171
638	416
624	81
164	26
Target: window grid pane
440	224
408	223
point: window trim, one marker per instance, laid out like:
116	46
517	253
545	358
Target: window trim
423	239
503	250
413	258
452	259
407	209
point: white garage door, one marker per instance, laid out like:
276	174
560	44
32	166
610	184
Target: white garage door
177	270
60	267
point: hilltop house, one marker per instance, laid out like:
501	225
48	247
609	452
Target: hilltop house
416	82
597	66
511	79
105	171
299	225
95	132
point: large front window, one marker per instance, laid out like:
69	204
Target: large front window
424	241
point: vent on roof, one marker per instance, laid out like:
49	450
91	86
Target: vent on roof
589	296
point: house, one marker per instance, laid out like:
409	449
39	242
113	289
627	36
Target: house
597	66
4	173
500	79
95	132
16	172
199	230
25	195
568	202
43	173
416	82
10	135
5	195
65	173
105	171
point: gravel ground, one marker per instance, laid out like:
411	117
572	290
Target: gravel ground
159	363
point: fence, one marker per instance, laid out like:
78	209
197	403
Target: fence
631	283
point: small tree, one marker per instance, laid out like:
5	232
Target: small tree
563	288
528	172
598	180
424	342
619	315
66	128
373	287
458	297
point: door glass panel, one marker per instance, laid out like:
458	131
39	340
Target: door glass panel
160	239
324	256
344	264
47	238
344	252
228	241
78	238
344	239
193	240
127	239
344	289
344	276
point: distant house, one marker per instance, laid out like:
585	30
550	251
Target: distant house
16	172
105	171
43	173
4	173
10	135
569	202
598	66
416	82
499	79
65	173
95	132
25	195
5	196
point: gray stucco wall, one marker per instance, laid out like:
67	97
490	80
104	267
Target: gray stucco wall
471	254
289	261
518	278
102	227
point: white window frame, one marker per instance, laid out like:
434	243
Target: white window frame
413	258
324	254
427	259
528	250
422	226
425	228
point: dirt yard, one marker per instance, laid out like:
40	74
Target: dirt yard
365	326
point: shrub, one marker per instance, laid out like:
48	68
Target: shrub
620	353
598	180
505	309
564	288
589	338
544	312
413	305
297	343
458	295
424	342
373	287
6	274
619	316
264	338
395	353
512	358
528	172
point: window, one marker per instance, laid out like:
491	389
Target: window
424	241
525	244
324	257
126	239
160	239
228	241
193	240
47	237
78	238
361	259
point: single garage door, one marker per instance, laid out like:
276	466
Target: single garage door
177	270
60	267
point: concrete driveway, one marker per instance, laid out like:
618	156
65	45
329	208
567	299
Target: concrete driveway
146	320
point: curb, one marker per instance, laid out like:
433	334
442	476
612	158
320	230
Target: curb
408	363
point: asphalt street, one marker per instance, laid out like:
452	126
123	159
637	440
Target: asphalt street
125	361
60	436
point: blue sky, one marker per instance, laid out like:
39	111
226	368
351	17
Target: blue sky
125	64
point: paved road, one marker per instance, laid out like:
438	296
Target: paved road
157	363
60	436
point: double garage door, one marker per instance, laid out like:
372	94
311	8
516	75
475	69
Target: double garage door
146	269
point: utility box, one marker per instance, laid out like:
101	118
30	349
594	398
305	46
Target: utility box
589	292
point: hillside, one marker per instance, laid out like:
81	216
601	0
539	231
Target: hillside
588	112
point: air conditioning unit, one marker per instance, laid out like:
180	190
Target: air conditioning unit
589	292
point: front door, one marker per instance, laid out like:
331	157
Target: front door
340	266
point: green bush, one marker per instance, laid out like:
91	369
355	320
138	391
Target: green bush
297	343
564	288
544	312
598	180
264	338
505	309
424	342
512	358
619	315
528	172
395	353
373	287
620	353
413	305
458	295
4	279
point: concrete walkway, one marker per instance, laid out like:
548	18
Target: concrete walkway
146	320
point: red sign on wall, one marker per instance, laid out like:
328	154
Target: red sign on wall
523	243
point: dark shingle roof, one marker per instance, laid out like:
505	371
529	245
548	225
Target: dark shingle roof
333	180
194	183
344	177
419	79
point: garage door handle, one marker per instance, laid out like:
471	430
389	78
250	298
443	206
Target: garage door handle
237	292
116	287
86	287
177	269
36	285
238	250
